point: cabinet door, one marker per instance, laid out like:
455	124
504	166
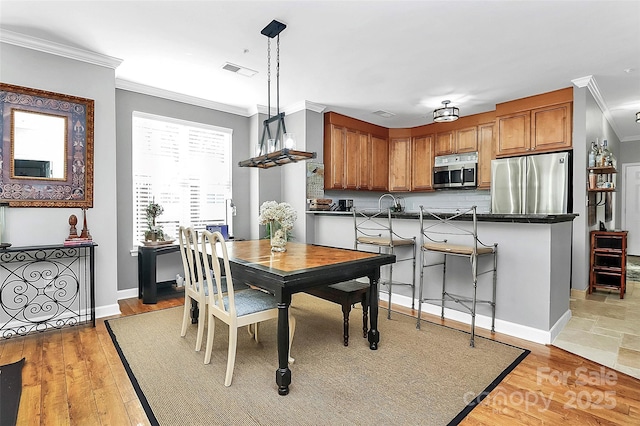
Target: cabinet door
364	167
551	128
422	163
444	143
400	164
379	164
334	179
485	154
466	140
351	159
514	132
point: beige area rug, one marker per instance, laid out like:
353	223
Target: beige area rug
416	377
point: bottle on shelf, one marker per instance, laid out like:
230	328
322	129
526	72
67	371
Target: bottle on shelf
607	157
593	152
593	179
598	154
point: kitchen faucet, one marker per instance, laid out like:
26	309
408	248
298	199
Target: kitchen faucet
386	195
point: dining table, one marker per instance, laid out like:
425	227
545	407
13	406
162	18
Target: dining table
301	267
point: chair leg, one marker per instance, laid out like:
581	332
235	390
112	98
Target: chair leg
346	310
444	273
422	255
231	355
413	279
493	300
201	321
292	330
474	272
390	289
185	316
210	333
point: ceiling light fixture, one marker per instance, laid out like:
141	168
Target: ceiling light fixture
278	150
446	113
637	117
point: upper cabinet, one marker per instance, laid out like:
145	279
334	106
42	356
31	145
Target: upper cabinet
486	153
535	124
399	159
355	154
456	141
422	163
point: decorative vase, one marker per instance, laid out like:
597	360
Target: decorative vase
278	237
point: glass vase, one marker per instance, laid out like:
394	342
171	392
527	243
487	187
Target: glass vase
278	237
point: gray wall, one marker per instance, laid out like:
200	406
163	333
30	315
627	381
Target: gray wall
126	103
36	226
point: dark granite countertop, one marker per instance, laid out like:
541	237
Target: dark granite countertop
482	217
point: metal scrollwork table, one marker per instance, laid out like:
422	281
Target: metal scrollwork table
46	287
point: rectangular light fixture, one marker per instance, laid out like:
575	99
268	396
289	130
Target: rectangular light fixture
247	72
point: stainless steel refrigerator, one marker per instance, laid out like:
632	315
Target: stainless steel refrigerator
532	184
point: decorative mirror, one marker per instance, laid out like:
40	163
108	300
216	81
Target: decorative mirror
46	156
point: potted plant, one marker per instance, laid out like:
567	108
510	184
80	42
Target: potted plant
155	232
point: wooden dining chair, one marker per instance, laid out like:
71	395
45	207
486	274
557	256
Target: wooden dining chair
236	309
195	289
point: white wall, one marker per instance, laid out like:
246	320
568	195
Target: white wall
35	226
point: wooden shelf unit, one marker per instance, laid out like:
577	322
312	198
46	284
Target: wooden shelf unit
608	264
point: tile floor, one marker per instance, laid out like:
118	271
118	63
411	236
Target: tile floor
606	329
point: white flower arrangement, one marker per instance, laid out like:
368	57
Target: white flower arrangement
280	212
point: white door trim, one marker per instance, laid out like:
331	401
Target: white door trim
623	193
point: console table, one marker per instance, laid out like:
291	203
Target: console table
45	287
147	262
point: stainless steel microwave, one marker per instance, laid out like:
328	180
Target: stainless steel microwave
456	171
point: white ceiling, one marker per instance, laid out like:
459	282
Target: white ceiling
357	57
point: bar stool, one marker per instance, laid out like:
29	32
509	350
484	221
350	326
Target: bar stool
373	228
434	238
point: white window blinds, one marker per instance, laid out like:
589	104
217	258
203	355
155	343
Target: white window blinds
185	167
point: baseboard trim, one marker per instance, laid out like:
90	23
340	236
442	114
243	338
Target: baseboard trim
520	331
578	294
107	311
127	294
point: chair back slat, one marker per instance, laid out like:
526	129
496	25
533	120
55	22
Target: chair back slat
188	240
213	247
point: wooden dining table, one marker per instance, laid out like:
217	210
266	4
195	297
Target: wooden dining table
301	267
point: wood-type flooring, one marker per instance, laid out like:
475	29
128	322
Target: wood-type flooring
74	377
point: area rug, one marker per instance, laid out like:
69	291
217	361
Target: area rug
10	391
429	376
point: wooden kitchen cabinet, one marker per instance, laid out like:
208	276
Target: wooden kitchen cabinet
537	124
608	265
400	163
353	155
444	143
379	164
485	154
466	140
422	163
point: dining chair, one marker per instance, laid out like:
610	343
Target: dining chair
447	233
195	289
373	228
236	309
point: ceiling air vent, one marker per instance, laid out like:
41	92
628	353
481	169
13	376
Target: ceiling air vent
239	70
382	113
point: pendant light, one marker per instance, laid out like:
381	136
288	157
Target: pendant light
637	117
446	113
278	149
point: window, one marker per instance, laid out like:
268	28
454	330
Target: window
183	166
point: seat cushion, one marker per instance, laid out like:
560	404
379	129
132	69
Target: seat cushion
251	301
236	286
382	241
456	248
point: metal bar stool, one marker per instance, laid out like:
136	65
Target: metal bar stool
434	238
373	228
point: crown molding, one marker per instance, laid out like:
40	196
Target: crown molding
58	49
179	97
590	83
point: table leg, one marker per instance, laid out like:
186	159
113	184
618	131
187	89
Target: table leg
374	335
283	374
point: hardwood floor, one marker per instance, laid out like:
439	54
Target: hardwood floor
74	376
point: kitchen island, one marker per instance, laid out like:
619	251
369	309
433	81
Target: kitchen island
534	269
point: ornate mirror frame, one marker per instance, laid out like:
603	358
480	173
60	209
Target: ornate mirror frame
74	191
